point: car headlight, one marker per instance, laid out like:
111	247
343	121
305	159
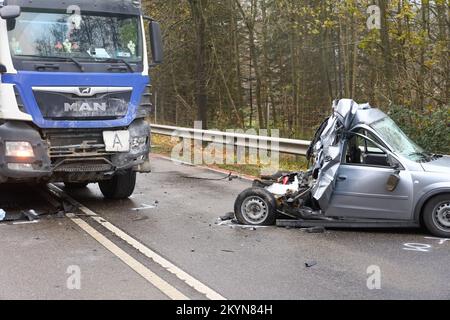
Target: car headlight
20	149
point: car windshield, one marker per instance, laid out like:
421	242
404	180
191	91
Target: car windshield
398	140
80	36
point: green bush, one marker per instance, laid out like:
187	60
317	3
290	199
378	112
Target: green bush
429	129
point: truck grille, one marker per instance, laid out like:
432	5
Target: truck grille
75	144
69	106
83	167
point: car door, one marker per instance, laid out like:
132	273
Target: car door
361	187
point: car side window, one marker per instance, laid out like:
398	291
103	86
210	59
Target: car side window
361	151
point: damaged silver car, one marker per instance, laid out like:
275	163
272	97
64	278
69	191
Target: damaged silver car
365	172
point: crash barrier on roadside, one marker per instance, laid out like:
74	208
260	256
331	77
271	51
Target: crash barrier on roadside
281	145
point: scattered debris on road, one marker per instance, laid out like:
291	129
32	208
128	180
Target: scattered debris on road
141	218
229	177
144	206
234	224
228	216
310	264
31	215
315	230
28	215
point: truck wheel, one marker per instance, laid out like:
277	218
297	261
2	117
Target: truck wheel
121	186
75	185
436	216
256	206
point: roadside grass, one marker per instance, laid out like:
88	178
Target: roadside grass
164	145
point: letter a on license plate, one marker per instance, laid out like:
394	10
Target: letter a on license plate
117	141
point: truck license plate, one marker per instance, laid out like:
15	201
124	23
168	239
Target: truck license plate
117	141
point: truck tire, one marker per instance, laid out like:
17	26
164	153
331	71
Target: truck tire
75	185
436	216
121	186
257	207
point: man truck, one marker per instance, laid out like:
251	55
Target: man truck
75	92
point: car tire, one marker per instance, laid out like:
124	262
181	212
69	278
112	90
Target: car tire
121	186
75	185
436	215
257	207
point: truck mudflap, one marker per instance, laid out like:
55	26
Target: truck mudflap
33	166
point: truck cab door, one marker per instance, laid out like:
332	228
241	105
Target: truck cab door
361	189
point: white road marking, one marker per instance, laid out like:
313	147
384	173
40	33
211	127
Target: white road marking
419	247
170	267
138	267
441	240
5	223
144	207
25	222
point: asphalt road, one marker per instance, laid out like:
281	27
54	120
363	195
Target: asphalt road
166	243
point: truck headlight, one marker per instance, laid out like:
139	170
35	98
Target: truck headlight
19	149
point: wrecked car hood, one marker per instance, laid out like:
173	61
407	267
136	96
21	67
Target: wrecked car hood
439	165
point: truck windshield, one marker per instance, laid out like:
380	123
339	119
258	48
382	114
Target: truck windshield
77	36
399	141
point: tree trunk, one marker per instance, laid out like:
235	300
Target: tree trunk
201	95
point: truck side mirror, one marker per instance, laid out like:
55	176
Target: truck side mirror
2	69
156	42
10	12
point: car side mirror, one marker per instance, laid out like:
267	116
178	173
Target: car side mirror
156	42
10	12
394	178
393	182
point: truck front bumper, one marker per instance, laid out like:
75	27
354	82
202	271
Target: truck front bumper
66	155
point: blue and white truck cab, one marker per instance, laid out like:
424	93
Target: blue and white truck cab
74	92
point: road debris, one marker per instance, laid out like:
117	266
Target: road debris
142	218
229	177
228	216
315	230
227	251
145	206
23	216
68	207
31	215
310	264
234	224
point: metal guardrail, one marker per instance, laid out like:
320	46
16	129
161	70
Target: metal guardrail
287	146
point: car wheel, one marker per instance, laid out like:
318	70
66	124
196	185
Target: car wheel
436	216
256	207
121	186
75	185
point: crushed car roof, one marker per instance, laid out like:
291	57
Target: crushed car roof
327	146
